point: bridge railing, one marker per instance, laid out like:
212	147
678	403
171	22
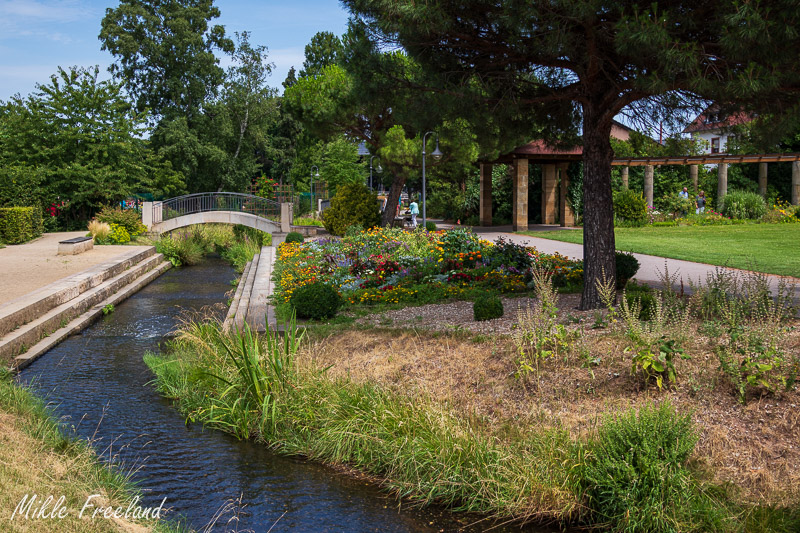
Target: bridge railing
216	201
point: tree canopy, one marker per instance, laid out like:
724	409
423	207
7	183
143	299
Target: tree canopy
165	53
582	62
78	139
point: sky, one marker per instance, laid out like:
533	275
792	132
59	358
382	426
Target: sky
38	36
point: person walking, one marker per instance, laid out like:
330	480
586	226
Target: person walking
414	209
684	195
700	203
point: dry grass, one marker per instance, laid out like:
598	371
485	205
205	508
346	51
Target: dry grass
755	447
29	466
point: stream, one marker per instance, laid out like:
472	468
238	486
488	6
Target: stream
99	387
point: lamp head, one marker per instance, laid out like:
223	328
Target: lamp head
437	154
316	175
379	168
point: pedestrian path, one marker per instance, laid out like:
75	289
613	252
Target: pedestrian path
27	267
651	267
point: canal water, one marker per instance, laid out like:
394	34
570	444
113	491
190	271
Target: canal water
100	388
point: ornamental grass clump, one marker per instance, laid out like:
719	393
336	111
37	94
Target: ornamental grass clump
99	231
316	300
487	307
743	205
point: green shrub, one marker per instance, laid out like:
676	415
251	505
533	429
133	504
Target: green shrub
674	204
353	204
487	307
294	236
430	226
743	205
316	300
508	253
20	224
627	267
635	476
129	219
118	235
630	206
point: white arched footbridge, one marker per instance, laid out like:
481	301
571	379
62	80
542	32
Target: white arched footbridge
218	208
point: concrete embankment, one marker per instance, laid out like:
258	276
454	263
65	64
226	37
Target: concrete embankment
251	300
32	324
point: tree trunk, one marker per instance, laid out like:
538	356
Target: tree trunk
391	202
599	259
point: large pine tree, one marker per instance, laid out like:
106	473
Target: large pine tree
589	60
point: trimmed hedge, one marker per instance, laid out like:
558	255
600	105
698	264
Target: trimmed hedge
20	224
316	300
294	236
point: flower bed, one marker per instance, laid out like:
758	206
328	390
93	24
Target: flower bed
390	266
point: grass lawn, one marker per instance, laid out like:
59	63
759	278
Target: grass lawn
769	248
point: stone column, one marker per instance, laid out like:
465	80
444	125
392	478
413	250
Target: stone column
521	196
722	183
549	198
486	195
287	216
762	179
693	176
625	178
512	174
648	184
566	216
796	183
147	214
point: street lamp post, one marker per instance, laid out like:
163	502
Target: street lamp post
312	187
437	155
378	169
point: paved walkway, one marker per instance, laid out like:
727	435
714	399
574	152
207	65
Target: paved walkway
30	266
650	265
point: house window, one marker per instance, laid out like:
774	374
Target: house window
715	145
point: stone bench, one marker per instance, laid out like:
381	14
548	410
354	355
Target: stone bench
75	246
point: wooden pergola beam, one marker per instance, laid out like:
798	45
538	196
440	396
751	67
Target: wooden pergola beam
708	159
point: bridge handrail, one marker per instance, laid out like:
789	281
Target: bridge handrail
189	204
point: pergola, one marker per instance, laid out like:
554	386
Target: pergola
555	161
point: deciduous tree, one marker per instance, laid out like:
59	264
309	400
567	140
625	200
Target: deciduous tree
79	140
165	52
